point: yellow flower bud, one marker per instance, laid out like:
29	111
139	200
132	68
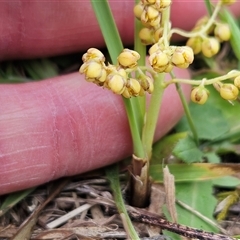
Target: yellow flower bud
217	86
168	68
146	83
116	83
222	32
158	34
94	71
147	36
196	44
201	22
161	5
228	91
210	47
237	82
159	61
154	48
228	2
133	87
138	10
182	57
148	2
151	16
93	54
199	95
122	72
151	86
128	58
126	93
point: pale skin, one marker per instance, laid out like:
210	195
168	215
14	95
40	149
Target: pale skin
65	126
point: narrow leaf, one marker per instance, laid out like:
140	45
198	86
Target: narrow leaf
235	32
12	199
194	171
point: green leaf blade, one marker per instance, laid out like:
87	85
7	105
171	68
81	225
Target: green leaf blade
108	28
187	150
209	120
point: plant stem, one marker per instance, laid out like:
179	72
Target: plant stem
108	28
156	98
134	127
141	49
113	176
227	76
152	114
203	30
115	46
187	113
208	7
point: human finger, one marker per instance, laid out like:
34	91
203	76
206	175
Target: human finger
42	29
65	126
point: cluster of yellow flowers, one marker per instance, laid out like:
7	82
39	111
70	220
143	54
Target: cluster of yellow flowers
208	43
163	59
115	78
149	13
228	91
120	79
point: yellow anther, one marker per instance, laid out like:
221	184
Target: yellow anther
128	58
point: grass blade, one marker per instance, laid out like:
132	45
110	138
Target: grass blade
235	31
108	28
113	177
12	199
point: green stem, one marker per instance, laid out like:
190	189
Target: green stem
108	28
203	30
152	114
227	76
134	127
156	98
141	49
112	174
187	113
208	6
115	46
